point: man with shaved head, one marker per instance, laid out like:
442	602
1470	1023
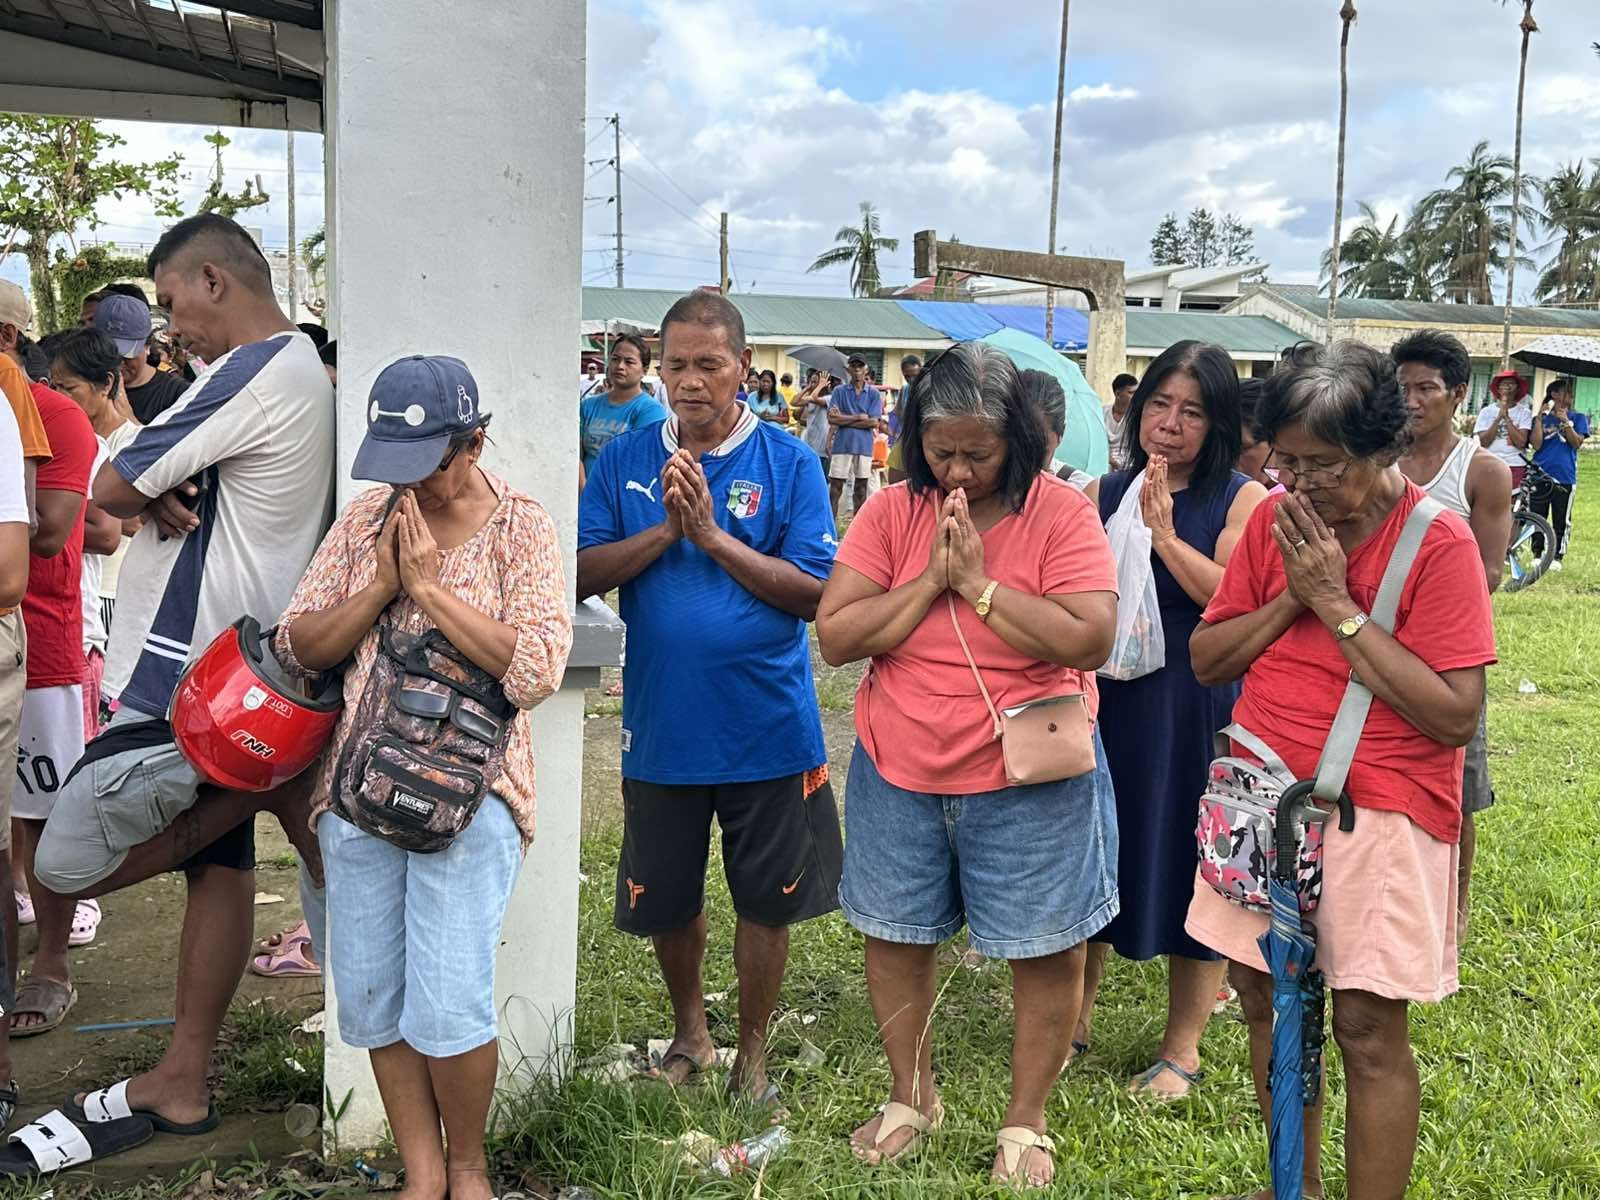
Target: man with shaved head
235	484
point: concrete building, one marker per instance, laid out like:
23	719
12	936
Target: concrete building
1253	343
1169	288
380	80
1381	323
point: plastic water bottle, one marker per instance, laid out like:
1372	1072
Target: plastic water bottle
750	1154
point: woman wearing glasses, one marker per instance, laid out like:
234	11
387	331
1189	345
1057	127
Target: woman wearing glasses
1180	442
1290	619
447	546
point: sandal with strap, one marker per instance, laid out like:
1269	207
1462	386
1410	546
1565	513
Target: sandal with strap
286	937
53	1142
25	913
10	1095
1142	1081
1013	1142
40	997
290	960
110	1105
895	1117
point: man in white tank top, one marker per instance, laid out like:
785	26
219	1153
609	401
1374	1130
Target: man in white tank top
1434	370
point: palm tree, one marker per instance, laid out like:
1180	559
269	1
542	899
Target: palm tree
1371	261
1384	262
1528	30
1347	16
1571	200
1469	224
858	245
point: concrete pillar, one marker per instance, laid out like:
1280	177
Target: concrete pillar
1107	353
454	154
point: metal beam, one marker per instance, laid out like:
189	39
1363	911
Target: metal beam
100	18
307	15
137	8
183	20
84	38
227	29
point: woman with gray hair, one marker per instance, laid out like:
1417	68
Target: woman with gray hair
979	584
1291	618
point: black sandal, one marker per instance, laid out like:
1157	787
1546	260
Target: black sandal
9	1096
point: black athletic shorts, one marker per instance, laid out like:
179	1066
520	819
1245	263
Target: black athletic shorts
781	851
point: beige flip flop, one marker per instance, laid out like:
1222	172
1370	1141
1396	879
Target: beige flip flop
1013	1142
897	1116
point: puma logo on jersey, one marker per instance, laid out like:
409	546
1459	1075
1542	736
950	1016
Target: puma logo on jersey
634	485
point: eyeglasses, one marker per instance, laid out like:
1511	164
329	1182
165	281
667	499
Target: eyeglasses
1314	474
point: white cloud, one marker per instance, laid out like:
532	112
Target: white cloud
1101	91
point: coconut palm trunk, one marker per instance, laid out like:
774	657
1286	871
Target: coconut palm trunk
1347	15
1055	173
1528	30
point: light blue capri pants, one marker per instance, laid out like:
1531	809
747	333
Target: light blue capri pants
414	936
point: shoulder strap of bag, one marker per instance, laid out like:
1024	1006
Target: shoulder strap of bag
1269	758
962	638
1333	768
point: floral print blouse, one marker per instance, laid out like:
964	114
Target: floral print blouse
510	569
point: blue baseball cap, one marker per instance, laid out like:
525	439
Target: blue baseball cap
417	406
125	321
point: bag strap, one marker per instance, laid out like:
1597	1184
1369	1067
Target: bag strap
1333	768
1269	759
962	638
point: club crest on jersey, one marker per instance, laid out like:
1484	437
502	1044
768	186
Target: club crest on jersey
744	498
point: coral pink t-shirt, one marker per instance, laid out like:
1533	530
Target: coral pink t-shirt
1293	690
918	710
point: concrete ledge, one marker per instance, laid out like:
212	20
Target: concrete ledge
597	637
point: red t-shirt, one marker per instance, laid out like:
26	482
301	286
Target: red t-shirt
52	609
1293	690
918	711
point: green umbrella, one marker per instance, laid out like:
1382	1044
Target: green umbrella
1084	444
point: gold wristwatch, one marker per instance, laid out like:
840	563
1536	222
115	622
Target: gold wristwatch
986	600
1349	627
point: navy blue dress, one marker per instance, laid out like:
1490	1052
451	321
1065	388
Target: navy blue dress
1158	734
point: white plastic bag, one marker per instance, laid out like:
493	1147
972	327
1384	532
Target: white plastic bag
1141	644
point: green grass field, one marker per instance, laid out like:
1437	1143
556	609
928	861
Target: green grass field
1510	1065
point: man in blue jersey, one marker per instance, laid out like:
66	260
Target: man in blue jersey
624	405
717	529
235	484
854	410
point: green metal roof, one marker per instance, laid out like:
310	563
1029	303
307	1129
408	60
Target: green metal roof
802	318
1417	312
1151	327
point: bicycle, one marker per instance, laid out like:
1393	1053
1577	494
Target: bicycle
1533	541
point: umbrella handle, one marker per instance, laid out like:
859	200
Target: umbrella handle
1297	804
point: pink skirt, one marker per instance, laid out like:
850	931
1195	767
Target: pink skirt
1387	920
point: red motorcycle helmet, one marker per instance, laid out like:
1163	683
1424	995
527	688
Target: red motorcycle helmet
242	721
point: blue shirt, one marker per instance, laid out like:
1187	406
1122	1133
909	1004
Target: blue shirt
846	399
717	684
599	421
1559	460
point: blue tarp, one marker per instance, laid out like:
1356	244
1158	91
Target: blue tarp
964	321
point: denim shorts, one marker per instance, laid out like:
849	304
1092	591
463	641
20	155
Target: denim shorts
1030	870
412	938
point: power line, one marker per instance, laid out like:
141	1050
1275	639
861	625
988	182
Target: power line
698	204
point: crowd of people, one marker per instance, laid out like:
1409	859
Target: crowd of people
141	516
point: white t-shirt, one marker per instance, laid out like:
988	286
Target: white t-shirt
94	628
111	565
1489	417
258	427
1113	433
13	492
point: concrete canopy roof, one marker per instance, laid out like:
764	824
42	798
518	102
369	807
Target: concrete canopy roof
165	59
826	319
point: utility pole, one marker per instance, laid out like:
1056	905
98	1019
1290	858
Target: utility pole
1055	174
616	161
294	249
722	281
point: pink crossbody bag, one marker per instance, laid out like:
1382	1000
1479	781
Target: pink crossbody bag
1042	741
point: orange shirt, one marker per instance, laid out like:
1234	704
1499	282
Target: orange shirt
30	427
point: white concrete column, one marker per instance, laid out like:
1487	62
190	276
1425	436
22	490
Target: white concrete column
454	158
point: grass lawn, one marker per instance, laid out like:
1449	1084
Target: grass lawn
1510	1066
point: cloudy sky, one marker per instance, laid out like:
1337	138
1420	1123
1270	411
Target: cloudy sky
941	114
